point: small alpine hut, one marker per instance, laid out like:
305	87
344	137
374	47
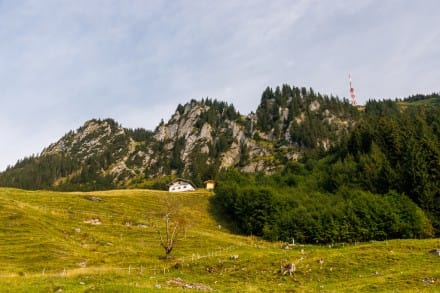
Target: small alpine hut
209	184
180	185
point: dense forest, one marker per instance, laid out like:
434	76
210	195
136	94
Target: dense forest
382	181
291	204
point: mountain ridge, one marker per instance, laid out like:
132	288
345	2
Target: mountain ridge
199	140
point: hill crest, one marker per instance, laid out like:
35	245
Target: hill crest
200	139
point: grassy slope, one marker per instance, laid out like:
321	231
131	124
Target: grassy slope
424	102
46	246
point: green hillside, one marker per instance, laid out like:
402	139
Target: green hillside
422	100
109	241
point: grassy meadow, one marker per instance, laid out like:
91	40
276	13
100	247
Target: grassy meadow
109	242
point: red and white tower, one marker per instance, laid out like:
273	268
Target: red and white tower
352	95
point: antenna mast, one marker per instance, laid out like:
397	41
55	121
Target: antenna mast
352	95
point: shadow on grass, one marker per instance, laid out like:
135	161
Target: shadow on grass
223	220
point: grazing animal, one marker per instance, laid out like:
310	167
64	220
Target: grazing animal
288	268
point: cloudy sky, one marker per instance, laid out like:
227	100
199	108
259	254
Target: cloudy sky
65	62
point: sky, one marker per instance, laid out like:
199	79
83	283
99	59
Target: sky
65	62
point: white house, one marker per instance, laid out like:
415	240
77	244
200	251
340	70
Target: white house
179	185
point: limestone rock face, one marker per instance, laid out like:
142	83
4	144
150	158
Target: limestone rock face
89	140
205	132
230	157
94	140
186	126
314	106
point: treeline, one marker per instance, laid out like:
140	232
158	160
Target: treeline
270	207
420	97
37	172
57	172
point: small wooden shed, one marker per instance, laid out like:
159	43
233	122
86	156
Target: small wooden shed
209	184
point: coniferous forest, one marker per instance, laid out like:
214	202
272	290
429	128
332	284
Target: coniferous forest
381	181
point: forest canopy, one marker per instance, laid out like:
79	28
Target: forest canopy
382	181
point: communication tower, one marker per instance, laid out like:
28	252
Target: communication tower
352	95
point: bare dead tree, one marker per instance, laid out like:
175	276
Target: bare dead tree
174	224
168	240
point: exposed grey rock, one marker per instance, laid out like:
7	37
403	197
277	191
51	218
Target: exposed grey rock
178	282
314	106
94	198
